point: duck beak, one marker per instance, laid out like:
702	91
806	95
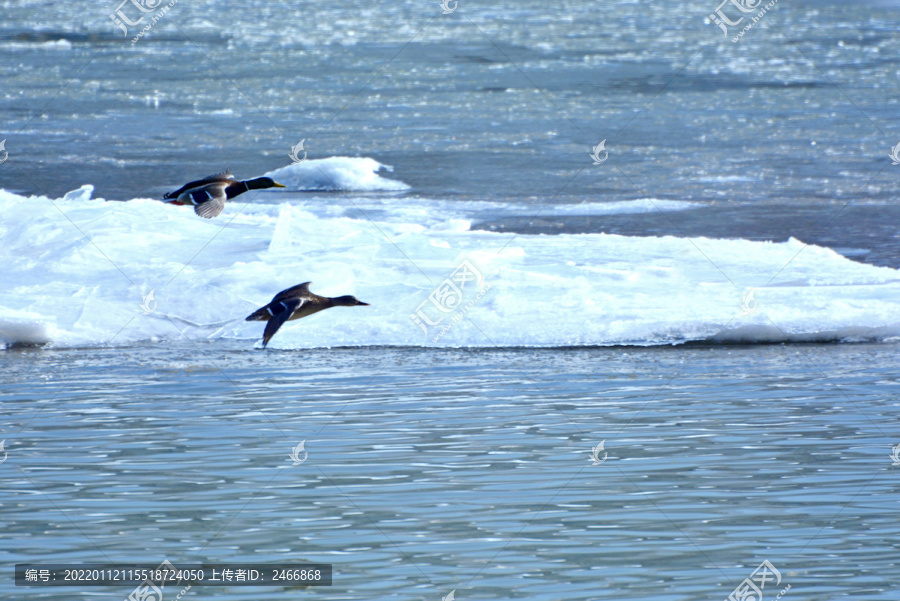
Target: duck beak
277	185
359	302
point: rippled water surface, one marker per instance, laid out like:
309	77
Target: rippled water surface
434	471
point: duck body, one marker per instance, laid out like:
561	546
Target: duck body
295	303
208	195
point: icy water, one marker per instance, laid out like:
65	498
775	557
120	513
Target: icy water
715	302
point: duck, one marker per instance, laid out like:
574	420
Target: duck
294	303
208	195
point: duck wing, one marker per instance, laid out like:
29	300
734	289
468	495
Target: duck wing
209	200
225	176
298	291
278	318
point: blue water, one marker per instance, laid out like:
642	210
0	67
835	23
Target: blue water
435	470
429	471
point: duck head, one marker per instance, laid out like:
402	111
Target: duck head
347	301
262	183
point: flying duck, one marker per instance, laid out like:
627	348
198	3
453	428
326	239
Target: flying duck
208	195
295	303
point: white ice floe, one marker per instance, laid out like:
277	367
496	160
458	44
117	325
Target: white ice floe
82	271
336	173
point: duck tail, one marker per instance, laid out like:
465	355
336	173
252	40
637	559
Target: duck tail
261	314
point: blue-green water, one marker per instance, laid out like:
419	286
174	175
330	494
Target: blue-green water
429	471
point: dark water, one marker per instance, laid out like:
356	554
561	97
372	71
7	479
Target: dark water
862	232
